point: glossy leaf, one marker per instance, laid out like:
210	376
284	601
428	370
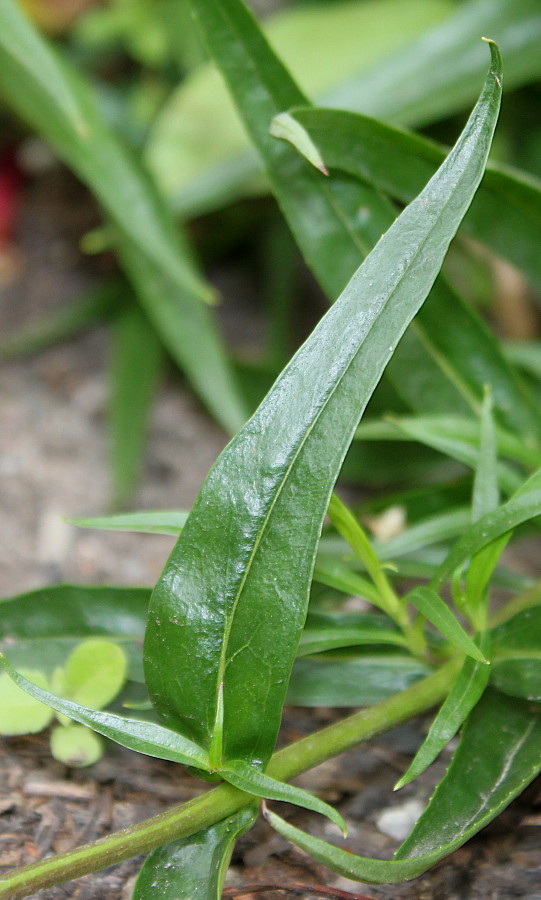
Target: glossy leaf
143	737
433	608
137	358
252	781
499	754
19	712
258	524
198	148
43	89
505	214
361	680
193	868
464	694
519	676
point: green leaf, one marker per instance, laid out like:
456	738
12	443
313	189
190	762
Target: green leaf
362	680
323	214
453	435
485	485
257	522
143	737
137	358
434	74
499	754
432	530
53	98
517	655
198	148
464	694
42	627
329	632
19	712
94	673
75	745
505	214
335	574
193	868
433	608
520	508
246	778
155	521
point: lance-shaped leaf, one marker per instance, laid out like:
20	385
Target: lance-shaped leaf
329	632
499	754
54	99
524	505
143	737
465	693
193	868
154	521
323	215
433	608
252	781
136	361
505	214
231	615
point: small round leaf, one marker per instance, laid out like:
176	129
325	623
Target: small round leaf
95	673
19	712
76	745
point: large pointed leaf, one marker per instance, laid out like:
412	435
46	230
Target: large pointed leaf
259	514
53	98
517	655
499	754
506	212
193	868
143	737
323	215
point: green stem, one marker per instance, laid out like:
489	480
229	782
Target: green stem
216	804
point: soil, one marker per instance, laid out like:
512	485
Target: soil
53	463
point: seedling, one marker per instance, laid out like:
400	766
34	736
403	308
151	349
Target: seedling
229	630
94	674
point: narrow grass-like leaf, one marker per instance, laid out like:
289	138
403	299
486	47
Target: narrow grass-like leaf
465	693
499	754
248	779
254	515
137	358
433	608
143	737
53	98
431	530
335	574
523	506
505	214
193	868
155	521
485	485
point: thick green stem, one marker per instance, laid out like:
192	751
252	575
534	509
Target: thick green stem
216	804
